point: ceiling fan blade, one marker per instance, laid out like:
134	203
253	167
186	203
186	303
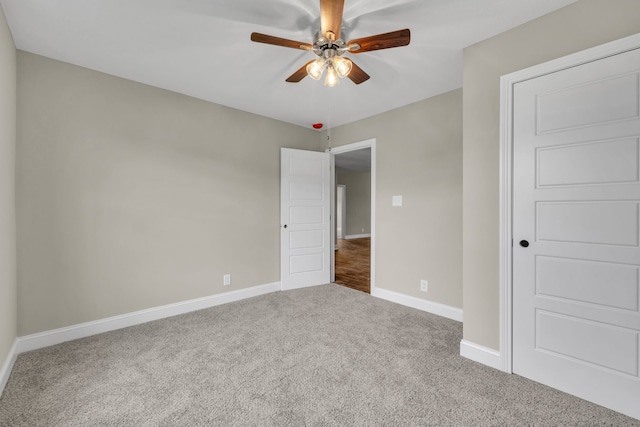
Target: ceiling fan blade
380	41
357	75
300	74
264	38
331	18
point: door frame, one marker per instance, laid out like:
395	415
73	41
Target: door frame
369	143
507	83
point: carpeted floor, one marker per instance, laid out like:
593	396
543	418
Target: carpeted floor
320	356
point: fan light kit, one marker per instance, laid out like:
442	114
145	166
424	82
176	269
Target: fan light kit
329	47
329	52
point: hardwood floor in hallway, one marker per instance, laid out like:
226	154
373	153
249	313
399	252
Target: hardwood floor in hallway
353	264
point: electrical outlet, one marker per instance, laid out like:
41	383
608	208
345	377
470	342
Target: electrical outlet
424	285
226	279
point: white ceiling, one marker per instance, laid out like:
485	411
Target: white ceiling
201	48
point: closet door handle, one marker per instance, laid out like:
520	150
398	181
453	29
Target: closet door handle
524	243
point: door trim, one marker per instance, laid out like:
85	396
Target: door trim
507	83
369	143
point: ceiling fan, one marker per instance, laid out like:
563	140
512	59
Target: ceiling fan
329	47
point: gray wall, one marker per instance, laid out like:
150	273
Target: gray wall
419	156
582	25
358	195
8	290
132	197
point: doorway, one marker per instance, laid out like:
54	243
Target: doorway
353	230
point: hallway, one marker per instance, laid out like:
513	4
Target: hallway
353	259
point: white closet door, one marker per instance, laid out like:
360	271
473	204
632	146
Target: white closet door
576	228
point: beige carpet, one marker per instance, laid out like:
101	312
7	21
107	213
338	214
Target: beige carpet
322	356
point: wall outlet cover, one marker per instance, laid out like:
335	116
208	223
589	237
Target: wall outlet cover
424	285
226	280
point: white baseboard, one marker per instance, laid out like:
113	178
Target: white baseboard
57	336
481	354
7	366
443	310
356	236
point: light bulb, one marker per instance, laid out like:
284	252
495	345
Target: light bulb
343	66
314	69
331	79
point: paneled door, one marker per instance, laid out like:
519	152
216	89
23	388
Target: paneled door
305	221
576	228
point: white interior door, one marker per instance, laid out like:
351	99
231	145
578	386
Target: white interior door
576	202
305	242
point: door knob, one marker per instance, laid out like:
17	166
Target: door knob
524	243
285	226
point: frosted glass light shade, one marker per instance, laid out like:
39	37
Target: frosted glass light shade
343	66
314	69
331	79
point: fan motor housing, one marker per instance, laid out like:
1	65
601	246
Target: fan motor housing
322	44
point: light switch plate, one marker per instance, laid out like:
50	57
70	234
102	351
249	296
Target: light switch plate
396	201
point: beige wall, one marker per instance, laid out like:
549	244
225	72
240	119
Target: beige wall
132	197
358	195
582	25
419	156
8	308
